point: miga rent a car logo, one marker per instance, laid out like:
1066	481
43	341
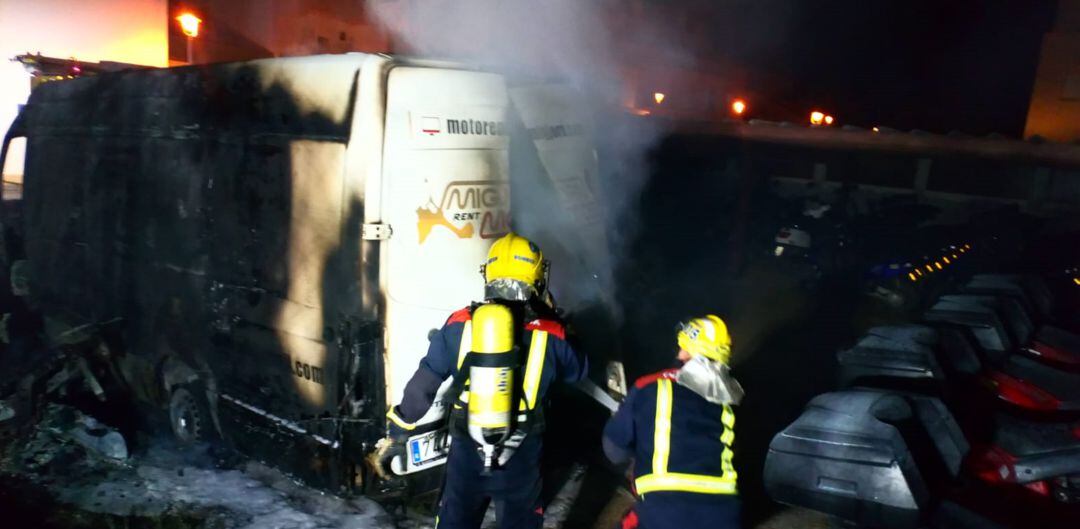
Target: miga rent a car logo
468	208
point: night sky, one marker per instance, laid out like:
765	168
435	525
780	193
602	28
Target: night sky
936	65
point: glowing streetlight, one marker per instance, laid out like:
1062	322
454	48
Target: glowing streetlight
817	118
738	107
828	119
658	97
875	129
189	24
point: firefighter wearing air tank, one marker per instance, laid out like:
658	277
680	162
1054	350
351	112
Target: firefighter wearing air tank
503	355
678	426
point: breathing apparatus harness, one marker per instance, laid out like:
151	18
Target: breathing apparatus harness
492	377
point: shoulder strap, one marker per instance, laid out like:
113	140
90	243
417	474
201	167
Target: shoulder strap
645	380
464	359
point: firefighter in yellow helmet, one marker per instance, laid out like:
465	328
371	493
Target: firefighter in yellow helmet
678	426
503	355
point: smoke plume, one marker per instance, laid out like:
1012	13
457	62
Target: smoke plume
595	48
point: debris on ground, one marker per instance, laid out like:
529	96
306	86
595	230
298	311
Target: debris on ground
97	437
82	470
73	471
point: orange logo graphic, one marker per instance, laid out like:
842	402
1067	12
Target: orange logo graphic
468	207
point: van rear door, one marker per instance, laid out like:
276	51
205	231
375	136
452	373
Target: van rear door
445	194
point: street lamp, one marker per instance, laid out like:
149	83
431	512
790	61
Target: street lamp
738	107
189	24
658	97
817	118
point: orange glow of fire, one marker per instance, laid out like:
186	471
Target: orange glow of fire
817	117
658	97
738	107
189	24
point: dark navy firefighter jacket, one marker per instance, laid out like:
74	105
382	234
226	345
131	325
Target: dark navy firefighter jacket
682	446
559	360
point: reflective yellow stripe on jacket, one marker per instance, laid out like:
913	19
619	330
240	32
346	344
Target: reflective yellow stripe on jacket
662	480
463	350
534	366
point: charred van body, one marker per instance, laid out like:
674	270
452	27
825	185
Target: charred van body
240	219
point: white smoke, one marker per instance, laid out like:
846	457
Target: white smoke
594	46
563	37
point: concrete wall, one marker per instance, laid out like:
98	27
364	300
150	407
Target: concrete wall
946	180
1055	102
130	31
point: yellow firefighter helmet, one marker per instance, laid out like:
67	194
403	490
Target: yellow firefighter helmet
515	268
706	336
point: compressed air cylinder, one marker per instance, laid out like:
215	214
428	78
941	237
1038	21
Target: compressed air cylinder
491	377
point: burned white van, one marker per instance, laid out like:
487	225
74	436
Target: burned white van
277	236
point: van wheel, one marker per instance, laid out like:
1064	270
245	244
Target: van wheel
189	414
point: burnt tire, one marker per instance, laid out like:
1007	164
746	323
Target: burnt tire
189	414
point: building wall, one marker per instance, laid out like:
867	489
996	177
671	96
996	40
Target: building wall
250	29
130	31
325	26
1055	101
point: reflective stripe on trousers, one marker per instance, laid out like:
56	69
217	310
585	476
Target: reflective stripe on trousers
662	480
534	366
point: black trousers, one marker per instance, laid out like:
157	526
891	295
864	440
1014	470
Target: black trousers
515	489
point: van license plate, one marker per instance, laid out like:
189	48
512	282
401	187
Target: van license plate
428	449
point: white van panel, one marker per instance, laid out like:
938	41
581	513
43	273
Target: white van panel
560	126
445	194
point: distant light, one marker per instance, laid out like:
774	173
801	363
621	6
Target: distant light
1076	280
946	259
929	268
659	97
937	264
828	120
919	272
875	129
76	69
738	107
189	24
911	276
817	117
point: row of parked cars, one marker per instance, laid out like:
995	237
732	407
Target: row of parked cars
968	416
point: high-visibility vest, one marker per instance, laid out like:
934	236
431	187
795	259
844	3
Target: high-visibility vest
662	480
534	367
